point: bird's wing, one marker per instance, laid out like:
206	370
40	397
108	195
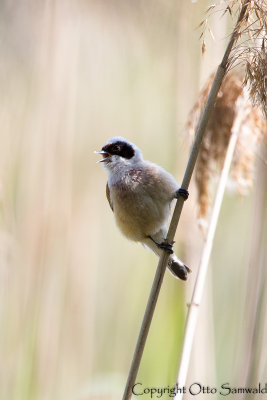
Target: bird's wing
108	197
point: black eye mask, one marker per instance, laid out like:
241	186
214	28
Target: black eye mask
119	148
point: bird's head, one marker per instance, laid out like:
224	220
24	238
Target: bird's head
118	152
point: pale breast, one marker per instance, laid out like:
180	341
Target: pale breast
140	205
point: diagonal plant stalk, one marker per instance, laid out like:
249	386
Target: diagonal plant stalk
204	262
161	268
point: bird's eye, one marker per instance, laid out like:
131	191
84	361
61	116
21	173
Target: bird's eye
116	148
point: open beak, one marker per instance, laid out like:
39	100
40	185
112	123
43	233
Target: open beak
104	154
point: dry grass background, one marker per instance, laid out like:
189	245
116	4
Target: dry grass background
73	74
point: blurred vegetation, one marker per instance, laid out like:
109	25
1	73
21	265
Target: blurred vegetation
73	74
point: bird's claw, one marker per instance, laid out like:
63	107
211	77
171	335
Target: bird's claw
182	192
166	246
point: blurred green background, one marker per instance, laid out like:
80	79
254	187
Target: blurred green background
73	290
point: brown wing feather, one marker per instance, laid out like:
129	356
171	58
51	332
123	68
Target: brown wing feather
108	196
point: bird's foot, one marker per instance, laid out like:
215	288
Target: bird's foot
166	246
182	192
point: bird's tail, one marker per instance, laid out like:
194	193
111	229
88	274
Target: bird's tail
178	268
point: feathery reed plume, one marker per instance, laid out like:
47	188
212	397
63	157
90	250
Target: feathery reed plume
250	51
252	131
250	31
256	76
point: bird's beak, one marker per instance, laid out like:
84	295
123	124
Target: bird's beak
104	154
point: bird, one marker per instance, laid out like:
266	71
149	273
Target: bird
140	194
